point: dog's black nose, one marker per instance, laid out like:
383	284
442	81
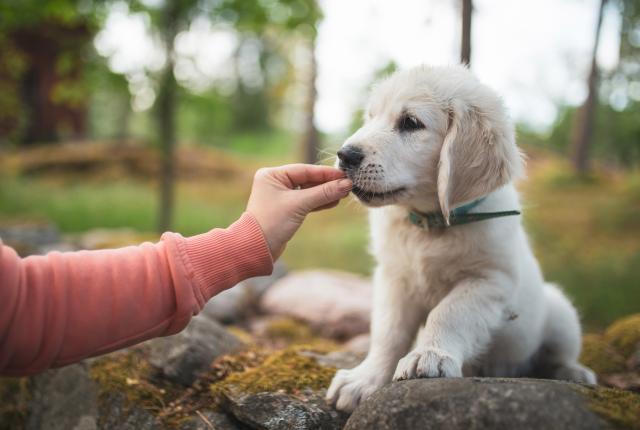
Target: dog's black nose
350	157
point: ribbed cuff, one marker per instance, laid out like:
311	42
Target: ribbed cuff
221	258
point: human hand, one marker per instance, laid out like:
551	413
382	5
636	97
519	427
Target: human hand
281	197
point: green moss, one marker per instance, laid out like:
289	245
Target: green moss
237	363
624	335
241	334
14	400
618	407
285	332
129	374
287	371
600	356
289	330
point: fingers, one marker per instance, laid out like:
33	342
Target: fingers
324	195
303	175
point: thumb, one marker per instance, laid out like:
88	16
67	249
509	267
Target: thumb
326	193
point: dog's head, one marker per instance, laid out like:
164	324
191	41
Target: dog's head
432	137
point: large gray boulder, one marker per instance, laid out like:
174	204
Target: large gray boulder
493	403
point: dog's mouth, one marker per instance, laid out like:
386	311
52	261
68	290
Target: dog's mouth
367	196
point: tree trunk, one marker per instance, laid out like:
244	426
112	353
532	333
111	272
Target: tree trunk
311	139
50	116
465	46
582	134
165	113
166	125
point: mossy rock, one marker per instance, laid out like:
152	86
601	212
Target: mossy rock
282	332
127	387
286	371
284	390
600	356
289	330
620	408
624	335
14	401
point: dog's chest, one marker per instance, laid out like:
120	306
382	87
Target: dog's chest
429	265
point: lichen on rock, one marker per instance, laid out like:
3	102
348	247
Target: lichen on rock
624	335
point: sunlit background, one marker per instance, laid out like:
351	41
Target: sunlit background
122	119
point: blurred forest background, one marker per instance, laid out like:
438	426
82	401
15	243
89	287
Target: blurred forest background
90	141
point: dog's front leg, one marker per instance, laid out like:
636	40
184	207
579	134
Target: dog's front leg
458	329
394	323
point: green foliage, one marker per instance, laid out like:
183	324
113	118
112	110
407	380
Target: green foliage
12	67
596	260
109	102
617	134
203	117
629	40
24	13
256	16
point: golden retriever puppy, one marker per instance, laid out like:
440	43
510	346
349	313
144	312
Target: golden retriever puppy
457	289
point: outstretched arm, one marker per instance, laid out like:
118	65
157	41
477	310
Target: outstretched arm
63	307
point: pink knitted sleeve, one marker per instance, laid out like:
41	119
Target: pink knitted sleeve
62	307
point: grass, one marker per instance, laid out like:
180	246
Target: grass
586	233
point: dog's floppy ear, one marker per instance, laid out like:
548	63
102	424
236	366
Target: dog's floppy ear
478	155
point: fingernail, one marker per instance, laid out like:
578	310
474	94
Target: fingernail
345	185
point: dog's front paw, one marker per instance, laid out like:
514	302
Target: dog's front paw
576	372
350	387
428	363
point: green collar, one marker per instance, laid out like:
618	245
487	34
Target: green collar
459	216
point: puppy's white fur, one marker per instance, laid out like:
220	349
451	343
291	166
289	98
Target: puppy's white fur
468	300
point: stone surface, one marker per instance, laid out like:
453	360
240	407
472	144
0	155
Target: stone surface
116	414
476	403
337	359
337	304
68	398
183	356
63	399
29	237
359	344
280	411
207	420
241	302
102	238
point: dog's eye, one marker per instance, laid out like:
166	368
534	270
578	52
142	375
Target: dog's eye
409	123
